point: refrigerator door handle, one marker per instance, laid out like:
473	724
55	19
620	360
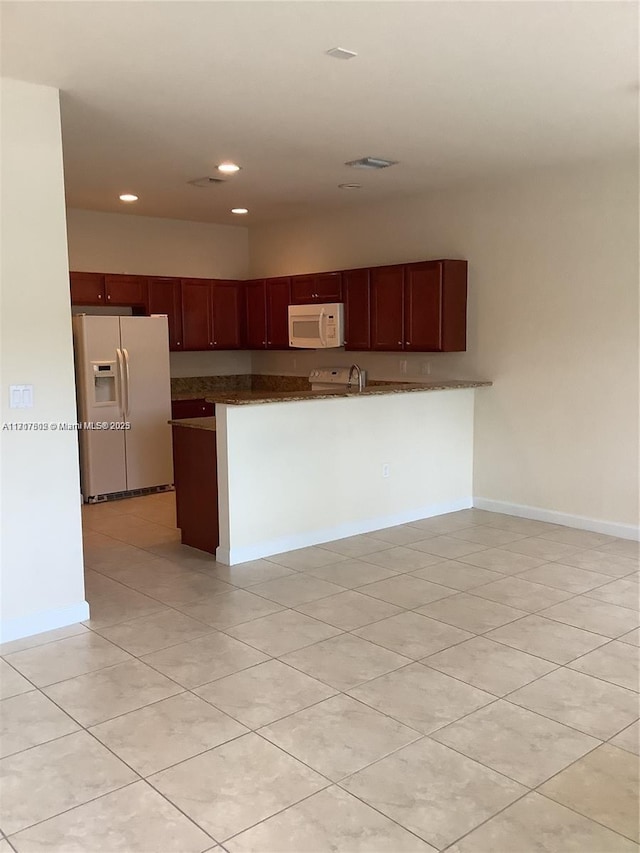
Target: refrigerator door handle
120	382
127	377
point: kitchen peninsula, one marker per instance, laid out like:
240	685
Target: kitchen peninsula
274	471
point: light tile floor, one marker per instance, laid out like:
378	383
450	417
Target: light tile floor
465	683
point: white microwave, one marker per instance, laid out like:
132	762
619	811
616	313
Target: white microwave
316	326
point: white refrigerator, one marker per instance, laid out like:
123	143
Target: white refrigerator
124	404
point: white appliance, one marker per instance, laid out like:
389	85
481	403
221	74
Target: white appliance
124	404
316	326
337	378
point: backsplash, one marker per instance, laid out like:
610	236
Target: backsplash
393	367
187	387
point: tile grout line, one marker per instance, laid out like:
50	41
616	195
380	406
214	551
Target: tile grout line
343	632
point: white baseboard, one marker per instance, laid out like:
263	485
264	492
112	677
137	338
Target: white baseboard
609	528
46	620
232	556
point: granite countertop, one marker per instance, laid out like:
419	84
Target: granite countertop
196	423
243	398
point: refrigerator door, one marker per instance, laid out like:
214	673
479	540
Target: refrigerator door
100	389
147	400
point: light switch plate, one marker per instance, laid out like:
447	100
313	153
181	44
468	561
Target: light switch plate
20	396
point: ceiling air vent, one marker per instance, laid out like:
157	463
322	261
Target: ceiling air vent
206	182
341	53
371	163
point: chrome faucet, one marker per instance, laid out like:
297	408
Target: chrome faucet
355	368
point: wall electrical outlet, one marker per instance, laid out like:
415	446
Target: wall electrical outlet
385	471
403	365
425	368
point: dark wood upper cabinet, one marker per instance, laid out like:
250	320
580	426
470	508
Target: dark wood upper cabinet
387	316
87	288
164	298
454	306
317	287
278	300
256	314
435	306
417	307
357	310
127	290
196	314
227	314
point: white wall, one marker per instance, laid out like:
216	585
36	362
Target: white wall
144	245
553	321
42	583
300	473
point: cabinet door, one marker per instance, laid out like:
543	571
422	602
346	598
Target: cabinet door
436	306
278	301
303	289
87	288
317	287
256	314
164	298
227	314
423	307
387	324
130	290
197	408
357	310
196	314
329	287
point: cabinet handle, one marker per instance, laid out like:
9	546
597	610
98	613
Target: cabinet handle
108	296
178	343
399	343
210	343
99	296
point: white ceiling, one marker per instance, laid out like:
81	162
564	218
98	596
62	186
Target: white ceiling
155	94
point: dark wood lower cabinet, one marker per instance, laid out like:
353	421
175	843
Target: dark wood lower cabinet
196	408
195	474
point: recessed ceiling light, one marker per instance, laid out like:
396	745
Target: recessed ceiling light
349	186
239	210
341	53
228	168
128	197
371	163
